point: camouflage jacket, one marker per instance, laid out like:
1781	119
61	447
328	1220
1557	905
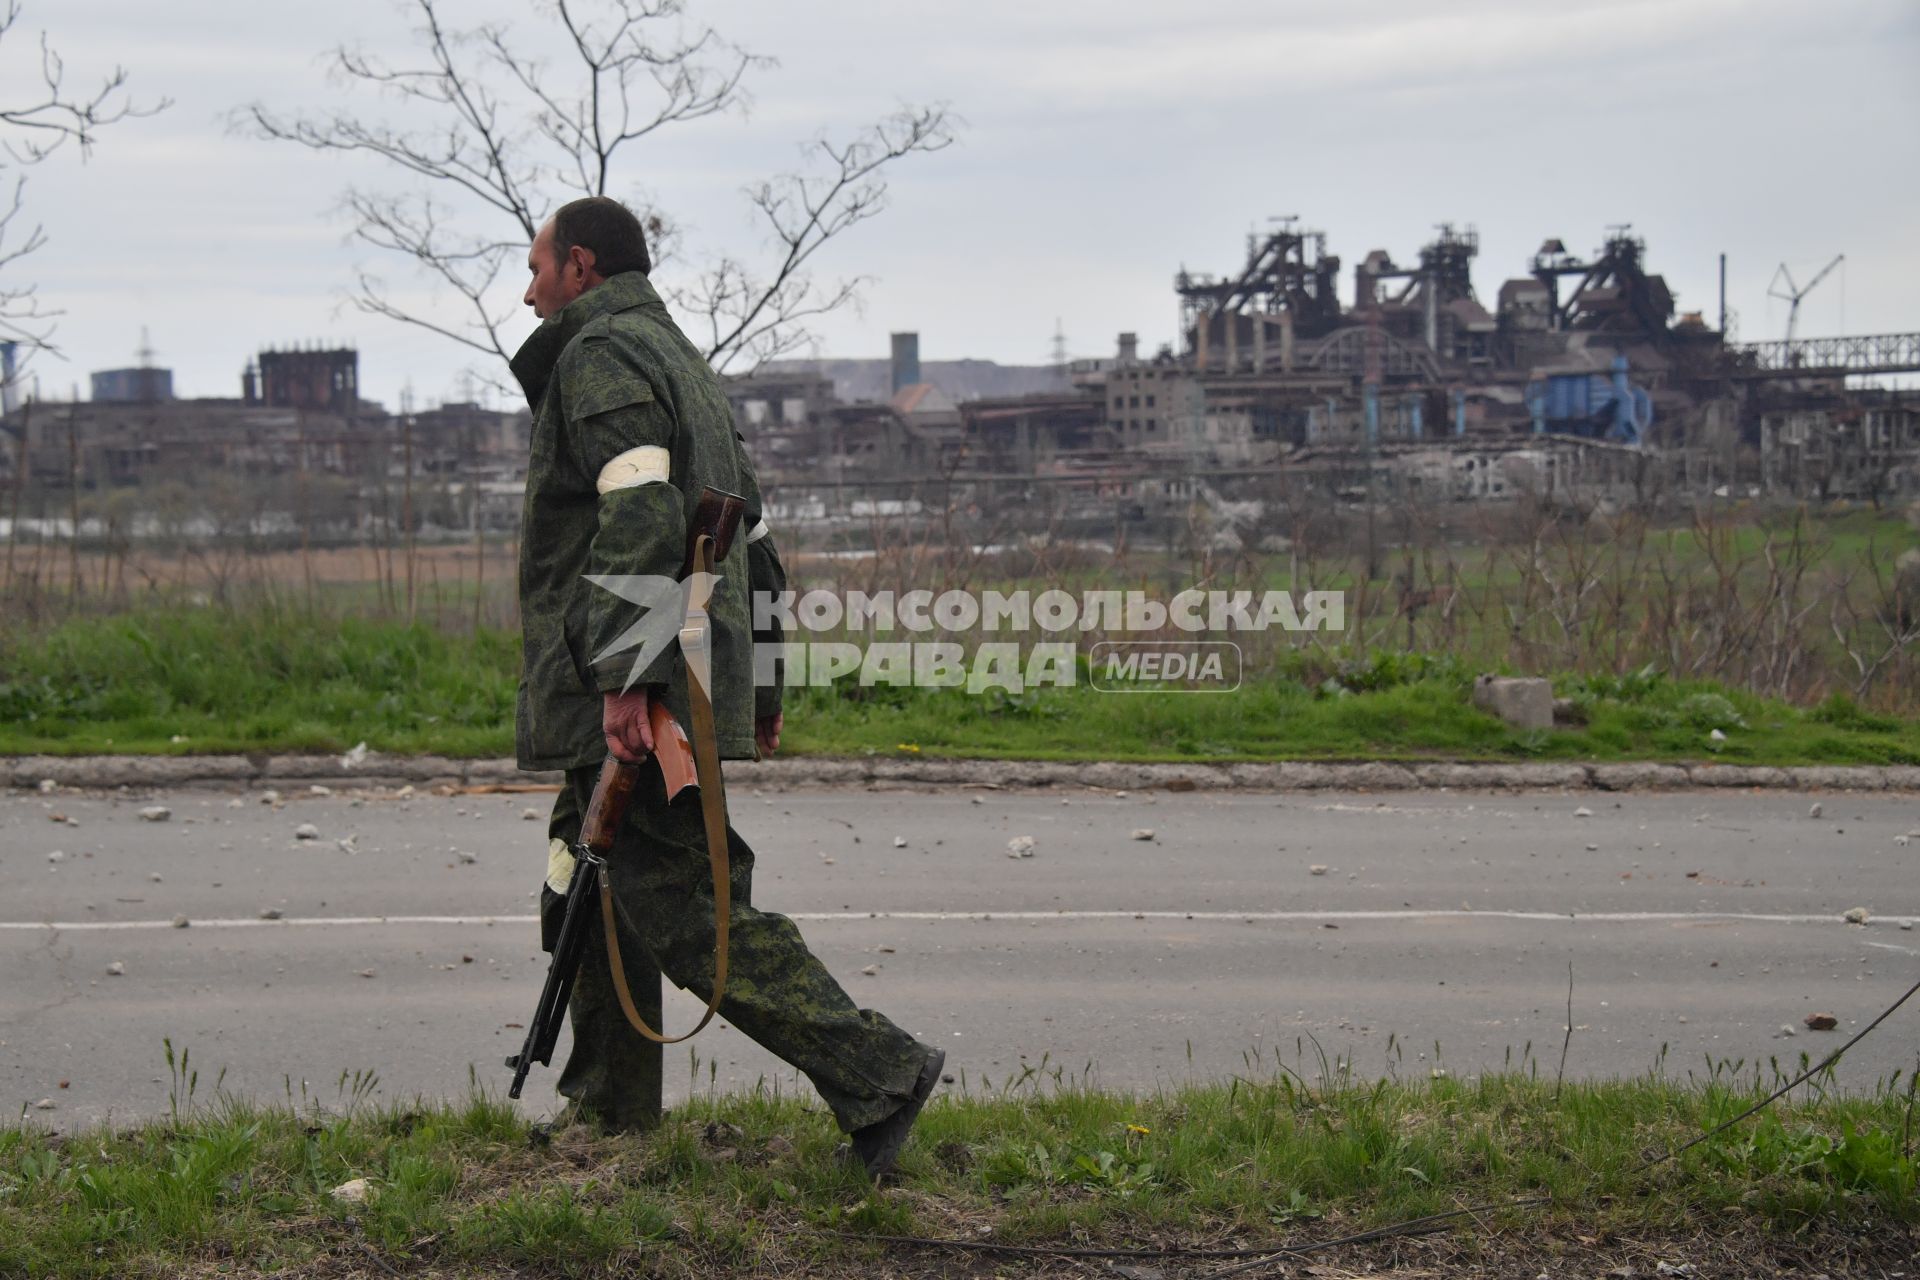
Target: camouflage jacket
629	425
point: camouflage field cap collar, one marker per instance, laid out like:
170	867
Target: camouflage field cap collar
533	363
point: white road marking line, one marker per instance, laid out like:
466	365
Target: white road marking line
1596	917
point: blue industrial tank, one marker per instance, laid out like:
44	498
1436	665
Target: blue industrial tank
1591	405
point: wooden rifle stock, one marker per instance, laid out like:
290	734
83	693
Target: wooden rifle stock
717	515
611	795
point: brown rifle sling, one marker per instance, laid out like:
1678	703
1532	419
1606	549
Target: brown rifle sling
713	810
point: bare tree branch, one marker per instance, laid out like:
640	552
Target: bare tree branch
465	266
473	151
590	126
498	136
30	131
55	117
758	316
23	319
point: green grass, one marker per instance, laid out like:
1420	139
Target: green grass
1743	593
1325	706
215	680
748	1182
267	676
263	679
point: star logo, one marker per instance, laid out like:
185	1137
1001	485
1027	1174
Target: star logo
673	607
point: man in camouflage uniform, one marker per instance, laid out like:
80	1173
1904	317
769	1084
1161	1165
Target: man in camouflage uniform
629	425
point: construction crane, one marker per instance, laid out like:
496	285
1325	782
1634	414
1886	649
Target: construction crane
1794	294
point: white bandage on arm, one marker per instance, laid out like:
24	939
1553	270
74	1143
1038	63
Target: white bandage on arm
646	465
559	865
756	533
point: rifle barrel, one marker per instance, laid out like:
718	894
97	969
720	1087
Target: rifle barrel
543	1032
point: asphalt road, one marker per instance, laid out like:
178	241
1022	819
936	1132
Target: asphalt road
1438	935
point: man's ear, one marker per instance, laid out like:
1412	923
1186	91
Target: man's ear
583	259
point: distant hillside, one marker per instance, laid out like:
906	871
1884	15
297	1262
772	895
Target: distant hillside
855	380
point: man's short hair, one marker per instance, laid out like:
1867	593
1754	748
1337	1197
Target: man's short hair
607	229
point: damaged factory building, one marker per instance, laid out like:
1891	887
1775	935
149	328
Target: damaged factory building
1291	381
1581	384
299	448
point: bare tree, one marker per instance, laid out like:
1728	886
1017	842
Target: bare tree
495	136
33	126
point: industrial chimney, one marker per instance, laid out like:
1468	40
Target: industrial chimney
9	371
906	360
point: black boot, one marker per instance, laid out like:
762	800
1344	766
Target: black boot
878	1145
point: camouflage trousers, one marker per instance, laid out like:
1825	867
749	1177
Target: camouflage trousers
778	992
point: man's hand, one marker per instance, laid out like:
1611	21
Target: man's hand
623	719
766	732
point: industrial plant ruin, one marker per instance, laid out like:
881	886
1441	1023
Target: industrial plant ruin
298	447
1580	383
1393	380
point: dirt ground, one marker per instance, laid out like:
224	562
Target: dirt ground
1819	1253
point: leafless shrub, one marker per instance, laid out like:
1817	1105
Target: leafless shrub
498	137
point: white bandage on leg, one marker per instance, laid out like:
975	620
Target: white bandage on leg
756	533
646	465
559	865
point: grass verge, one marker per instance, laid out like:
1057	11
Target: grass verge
215	680
748	1183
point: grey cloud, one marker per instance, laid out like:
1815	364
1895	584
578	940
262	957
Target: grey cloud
1110	143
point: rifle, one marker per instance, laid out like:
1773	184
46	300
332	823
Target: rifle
715	519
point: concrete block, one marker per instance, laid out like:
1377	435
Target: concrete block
507	771
1374	776
1255	777
1639	777
1300	775
1735	775
1837	777
1525	702
1502	777
1111	775
130	771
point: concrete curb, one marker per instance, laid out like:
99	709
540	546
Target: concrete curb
288	771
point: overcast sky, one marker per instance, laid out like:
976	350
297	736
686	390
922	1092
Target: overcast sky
1106	144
